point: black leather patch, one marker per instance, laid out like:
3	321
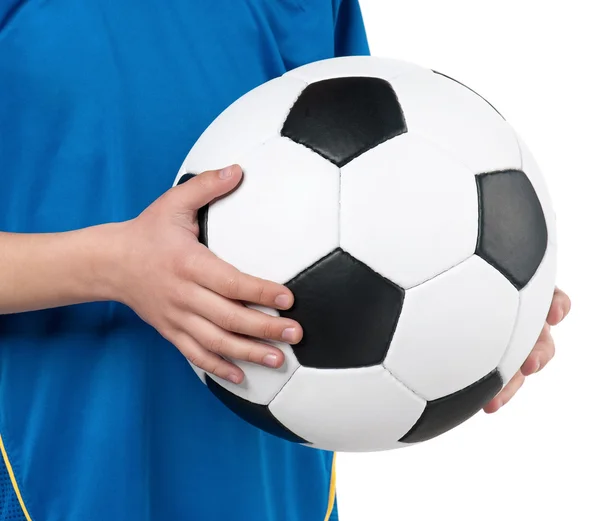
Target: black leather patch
450	411
467	87
512	228
202	213
342	118
348	312
258	415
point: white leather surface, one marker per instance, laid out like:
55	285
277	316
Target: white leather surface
408	210
347	410
283	218
453	330
458	120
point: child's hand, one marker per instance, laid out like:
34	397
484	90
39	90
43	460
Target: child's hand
194	299
541	354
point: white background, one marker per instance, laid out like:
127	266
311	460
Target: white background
538	458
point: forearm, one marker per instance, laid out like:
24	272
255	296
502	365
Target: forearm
39	271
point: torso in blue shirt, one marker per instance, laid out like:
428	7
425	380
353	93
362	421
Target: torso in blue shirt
100	418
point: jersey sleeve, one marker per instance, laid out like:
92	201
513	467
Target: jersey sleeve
350	32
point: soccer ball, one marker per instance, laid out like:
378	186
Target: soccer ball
416	232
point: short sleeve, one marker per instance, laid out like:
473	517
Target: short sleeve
350	32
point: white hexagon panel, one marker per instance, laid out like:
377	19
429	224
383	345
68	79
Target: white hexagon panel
408	210
453	329
457	119
284	216
354	409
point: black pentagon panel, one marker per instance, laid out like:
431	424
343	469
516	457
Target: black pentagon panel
342	118
450	411
202	213
467	87
258	415
512	228
348	312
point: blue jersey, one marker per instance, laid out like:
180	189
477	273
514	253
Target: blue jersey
101	419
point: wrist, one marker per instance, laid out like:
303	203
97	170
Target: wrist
105	252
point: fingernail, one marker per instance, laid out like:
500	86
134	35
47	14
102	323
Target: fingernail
282	301
226	173
234	378
270	360
288	334
537	366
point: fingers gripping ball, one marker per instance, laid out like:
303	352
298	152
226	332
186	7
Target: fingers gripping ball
415	231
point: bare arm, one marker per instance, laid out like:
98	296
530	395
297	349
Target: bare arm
39	271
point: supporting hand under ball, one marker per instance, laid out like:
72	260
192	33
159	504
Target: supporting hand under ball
541	354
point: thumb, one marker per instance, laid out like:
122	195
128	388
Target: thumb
195	191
